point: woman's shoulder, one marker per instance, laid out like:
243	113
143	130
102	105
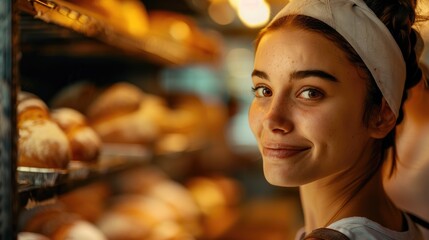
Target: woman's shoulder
363	228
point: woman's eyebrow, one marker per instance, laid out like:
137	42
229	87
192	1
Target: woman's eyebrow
313	73
299	75
260	74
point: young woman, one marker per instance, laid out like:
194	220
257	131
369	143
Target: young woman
329	80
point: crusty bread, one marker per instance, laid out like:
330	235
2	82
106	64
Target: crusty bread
85	143
119	99
41	142
55	222
76	96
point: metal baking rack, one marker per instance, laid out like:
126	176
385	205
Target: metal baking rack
90	24
37	185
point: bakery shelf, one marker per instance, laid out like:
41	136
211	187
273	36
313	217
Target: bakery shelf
38	184
88	24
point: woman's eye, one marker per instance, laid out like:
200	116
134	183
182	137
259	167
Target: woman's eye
311	93
262	91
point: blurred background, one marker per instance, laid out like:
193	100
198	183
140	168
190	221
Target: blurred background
162	89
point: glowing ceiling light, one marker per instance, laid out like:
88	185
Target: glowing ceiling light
253	13
234	3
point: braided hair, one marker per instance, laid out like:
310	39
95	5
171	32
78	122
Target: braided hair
399	17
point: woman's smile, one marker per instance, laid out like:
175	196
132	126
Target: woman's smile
282	151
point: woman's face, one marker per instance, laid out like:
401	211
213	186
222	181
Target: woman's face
308	107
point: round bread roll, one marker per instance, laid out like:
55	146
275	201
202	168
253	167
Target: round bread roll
76	96
133	217
169	230
41	142
119	99
78	230
85	144
88	201
30	107
154	183
183	203
31	236
132	128
56	223
218	198
32	220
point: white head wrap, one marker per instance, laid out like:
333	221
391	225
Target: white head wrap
369	37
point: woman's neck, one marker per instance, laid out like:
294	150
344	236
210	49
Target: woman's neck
325	203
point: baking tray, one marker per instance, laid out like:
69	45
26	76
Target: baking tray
42	177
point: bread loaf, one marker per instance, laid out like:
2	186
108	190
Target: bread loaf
117	100
55	222
133	217
31	236
88	201
85	144
41	142
218	198
120	115
76	96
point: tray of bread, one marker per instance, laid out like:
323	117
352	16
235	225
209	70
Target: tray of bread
58	145
162	36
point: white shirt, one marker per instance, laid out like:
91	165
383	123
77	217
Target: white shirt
360	228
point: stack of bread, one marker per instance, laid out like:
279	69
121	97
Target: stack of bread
141	203
141	217
122	113
206	207
125	16
153	207
52	139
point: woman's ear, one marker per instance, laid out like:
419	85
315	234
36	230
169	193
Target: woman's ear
382	122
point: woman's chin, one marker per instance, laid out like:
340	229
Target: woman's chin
281	180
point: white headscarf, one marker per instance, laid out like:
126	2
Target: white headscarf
369	37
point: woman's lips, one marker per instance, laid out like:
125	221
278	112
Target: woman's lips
282	152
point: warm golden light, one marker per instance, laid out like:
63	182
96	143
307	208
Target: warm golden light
180	30
253	13
233	3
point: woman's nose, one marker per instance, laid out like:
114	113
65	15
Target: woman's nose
278	117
